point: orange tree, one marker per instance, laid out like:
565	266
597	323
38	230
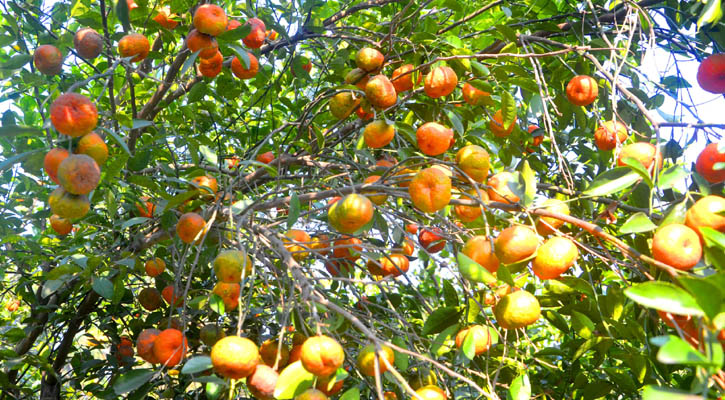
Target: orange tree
367	199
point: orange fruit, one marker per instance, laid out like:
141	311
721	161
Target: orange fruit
124	349
547	225
378	134
164	18
497	127
347	249
257	34
270	354
609	134
470	213
134	45
433	138
582	90
272	34
430	239
93	146
380	92
430	190
154	267
537	140
229	293
379	198
295	353
79	174
229	265
407	247
366	359
499	189
311	394
358	77
171	295
233	24
212	66
705	213
149	298
320	245
394	265
52	160
481	338
210	19
675	320
555	257
411	228
145	209
266	158
421	378
343	104
515	243
474	161
73	114
440	81
170	347
369	60
479	249
48	59
88	43
68	205
235	357
710	73
297	243
405	82
351	213
431	392
390	395
517	310
240	71
206	45
326	385
145	345
706	161
61	226
677	245
189	226
644	152
322	355
262	382
474	96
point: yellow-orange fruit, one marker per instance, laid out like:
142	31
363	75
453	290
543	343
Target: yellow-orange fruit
322	355
229	265
343	104
262	382
347	248
52	160
297	242
474	161
154	267
206	45
378	198
73	114
368	59
431	392
481	338
320	244
706	213
706	161
440	81
517	310
474	96
235	357
515	243
378	134
555	257
93	146
189	226
270	354
68	205
145	345
479	249
497	127
88	43
61	226
582	90
272	34
134	45
499	189
357	77
257	34
433	138
211	67
170	347
164	18
609	134
241	72
366	359
229	293
326	385
48	59
645	153
350	213
470	213
311	394
430	190
79	174
150	298
677	245
210	19
405	82
206	185
380	92
547	225
395	264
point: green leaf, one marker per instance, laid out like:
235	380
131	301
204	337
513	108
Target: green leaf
529	178
16	62
473	271
520	388
672	176
469	347
582	325
216	304
59	271
637	167
401	359
10	161
293	380
180	198
437	347
351	394
441	319
664	296
707	295
118	140
294	210
711	14
455	121
103	287
19	130
134	379
504	275
209	154
712	237
676	214
140	123
508	109
242	55
133	221
196	364
122	13
659	393
234	34
638	222
612	181
674	350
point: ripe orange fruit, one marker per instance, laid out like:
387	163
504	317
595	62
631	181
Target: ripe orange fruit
266	158
474	96
517	310
164	18
149	298
48	59
433	138
154	267
88	43
366	359
145	209
79	174
644	152
481	338
241	72
394	265
343	104
68	205
582	90
440	81
379	198
311	394
229	265
235	357
210	19
537	140
262	382
474	161
206	45
499	189
358	77
555	257
297	243
320	244
405	82
431	392
145	345
61	226
431	239
73	114
211	67
171	295
711	73
351	213
479	249
470	213
229	293
255	38
170	347
378	134
326	385
124	349
272	34
609	134
407	247
233	24
348	248
515	243
270	355
675	320
677	245
93	146
430	190
322	355
706	213
52	160
369	60
390	395
380	92
134	45
411	228
295	353
547	225
497	127
706	162
189	226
